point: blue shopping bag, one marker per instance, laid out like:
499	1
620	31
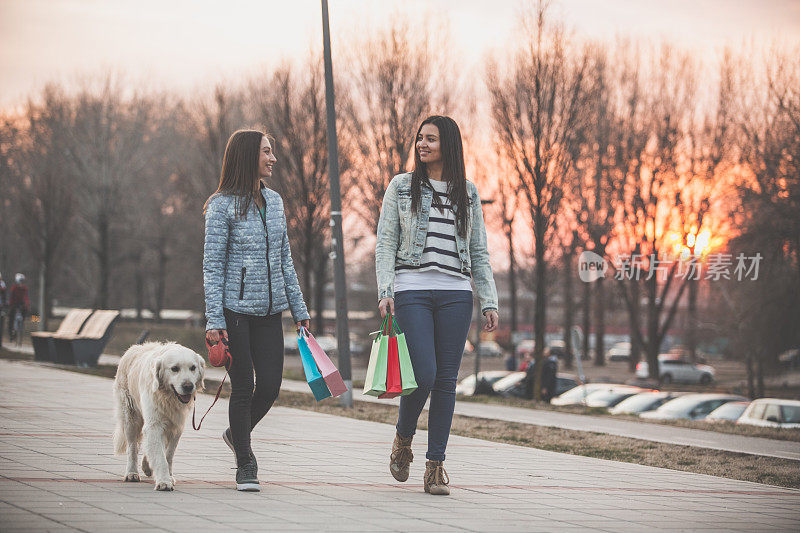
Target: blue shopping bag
313	375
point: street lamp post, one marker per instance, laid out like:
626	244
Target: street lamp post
337	239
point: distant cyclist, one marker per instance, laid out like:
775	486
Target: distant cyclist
18	302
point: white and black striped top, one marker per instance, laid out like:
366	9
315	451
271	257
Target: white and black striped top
440	255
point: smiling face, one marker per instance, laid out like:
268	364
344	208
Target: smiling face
428	145
180	372
266	158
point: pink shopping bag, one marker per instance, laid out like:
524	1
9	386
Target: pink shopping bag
326	367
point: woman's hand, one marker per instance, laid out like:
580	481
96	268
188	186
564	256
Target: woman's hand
302	324
386	305
213	335
492	319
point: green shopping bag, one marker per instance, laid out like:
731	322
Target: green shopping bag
409	382
375	381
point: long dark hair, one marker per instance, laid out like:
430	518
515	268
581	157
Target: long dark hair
240	175
453	170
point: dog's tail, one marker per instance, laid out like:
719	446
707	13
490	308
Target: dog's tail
120	444
121	407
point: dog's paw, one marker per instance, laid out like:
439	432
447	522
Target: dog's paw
132	477
146	467
165	485
172	478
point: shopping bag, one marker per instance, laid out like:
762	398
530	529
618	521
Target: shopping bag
333	379
408	381
393	383
375	380
313	376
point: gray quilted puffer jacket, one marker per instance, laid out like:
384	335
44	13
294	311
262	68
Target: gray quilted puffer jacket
236	272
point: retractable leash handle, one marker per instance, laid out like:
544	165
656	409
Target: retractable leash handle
218	355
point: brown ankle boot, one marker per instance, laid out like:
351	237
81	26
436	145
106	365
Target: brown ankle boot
436	478
401	457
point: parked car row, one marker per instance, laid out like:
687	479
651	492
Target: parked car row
648	404
663	405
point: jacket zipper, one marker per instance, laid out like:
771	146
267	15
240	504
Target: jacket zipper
269	269
241	289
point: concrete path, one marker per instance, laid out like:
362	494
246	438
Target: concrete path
325	473
541	417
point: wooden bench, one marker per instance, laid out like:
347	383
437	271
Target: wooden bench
44	348
84	348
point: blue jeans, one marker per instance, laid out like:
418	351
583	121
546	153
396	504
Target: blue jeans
436	324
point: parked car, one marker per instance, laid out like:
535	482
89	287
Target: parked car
490	349
512	384
676	370
621	351
727	412
772	412
642	402
611	396
575	395
691	406
467	385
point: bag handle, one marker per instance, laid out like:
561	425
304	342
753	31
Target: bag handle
381	331
396	327
194	409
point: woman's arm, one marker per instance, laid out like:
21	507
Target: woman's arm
215	259
479	257
388	239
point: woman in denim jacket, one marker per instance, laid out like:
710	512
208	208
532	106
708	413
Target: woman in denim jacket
249	280
431	242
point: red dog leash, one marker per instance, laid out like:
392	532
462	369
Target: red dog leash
218	355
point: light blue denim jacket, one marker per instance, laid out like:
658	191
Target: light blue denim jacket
402	234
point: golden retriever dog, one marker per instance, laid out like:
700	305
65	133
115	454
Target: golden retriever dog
154	391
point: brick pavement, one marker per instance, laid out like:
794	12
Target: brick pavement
326	473
612	426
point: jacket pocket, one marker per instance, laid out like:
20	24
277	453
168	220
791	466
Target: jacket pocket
241	287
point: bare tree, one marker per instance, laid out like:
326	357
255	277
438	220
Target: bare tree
216	117
293	104
506	206
537	111
43	195
651	195
710	151
107	149
768	211
397	81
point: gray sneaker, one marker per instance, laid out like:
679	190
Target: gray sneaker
247	478
226	436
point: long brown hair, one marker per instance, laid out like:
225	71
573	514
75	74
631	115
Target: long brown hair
240	176
453	170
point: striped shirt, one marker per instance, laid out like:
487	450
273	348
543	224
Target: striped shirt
440	265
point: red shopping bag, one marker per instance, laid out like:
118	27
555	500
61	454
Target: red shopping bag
394	385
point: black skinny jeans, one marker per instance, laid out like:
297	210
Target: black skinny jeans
256	343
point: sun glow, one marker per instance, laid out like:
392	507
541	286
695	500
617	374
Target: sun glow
699	244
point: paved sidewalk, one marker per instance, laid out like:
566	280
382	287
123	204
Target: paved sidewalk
541	417
327	473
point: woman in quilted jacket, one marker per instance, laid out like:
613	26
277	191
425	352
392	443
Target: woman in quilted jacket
249	280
